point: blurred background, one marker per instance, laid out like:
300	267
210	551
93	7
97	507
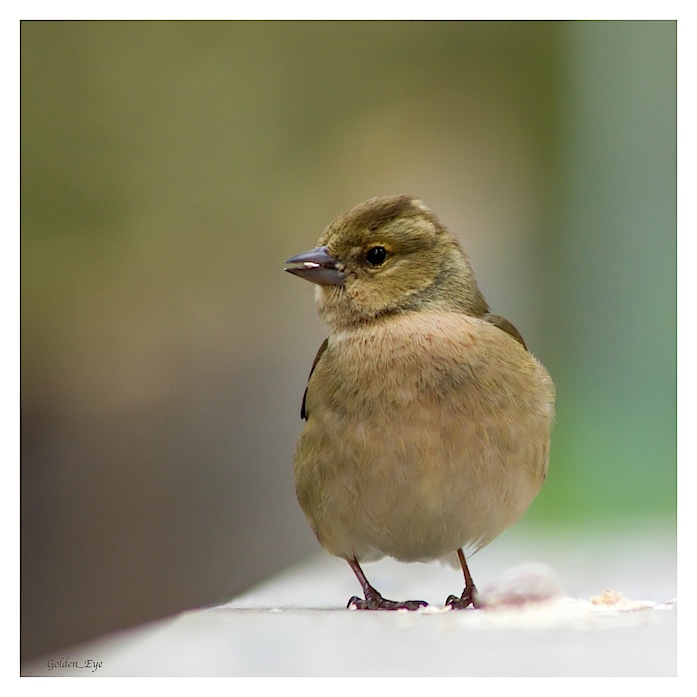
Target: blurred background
167	171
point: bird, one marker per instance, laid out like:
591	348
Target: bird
427	420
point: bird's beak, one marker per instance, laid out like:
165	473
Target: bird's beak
317	266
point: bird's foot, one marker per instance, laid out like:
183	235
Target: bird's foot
468	597
374	601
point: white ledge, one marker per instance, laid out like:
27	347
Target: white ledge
616	617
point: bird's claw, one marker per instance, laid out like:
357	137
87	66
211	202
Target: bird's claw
468	597
377	602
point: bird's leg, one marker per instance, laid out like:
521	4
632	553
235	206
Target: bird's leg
373	600
469	595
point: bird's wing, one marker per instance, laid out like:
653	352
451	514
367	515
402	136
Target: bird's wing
506	326
303	410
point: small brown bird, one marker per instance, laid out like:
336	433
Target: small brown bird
428	421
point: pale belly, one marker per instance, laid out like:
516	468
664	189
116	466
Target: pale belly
417	491
420	465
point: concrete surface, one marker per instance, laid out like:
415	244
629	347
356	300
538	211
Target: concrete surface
610	609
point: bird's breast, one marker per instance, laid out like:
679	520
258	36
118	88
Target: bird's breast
401	362
423	432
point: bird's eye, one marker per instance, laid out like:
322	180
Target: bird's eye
376	256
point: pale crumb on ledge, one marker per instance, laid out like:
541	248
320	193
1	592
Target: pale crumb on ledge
433	610
614	600
607	597
520	585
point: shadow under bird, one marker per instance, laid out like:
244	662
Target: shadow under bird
427	419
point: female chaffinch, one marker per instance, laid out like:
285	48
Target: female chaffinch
428	420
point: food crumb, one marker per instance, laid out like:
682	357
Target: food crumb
607	597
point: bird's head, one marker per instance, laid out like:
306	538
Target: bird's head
387	255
